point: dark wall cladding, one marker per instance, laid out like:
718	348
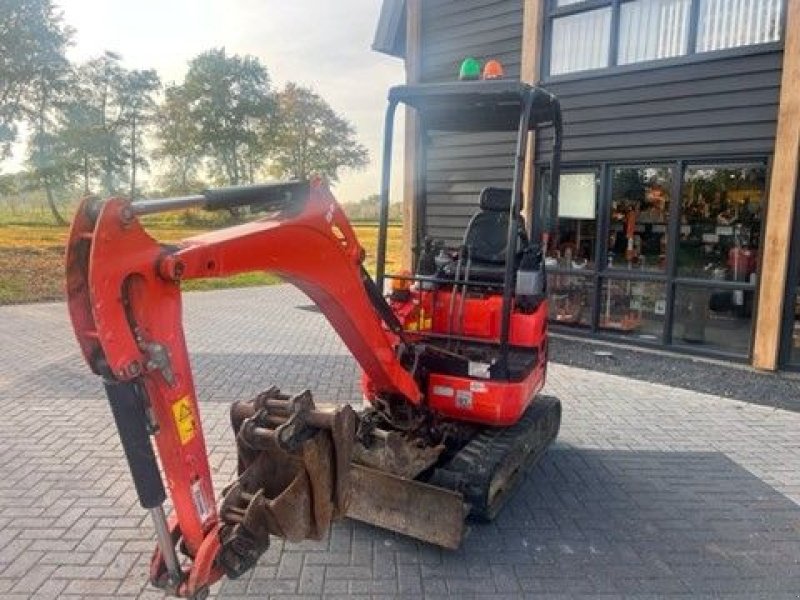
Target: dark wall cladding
705	108
716	108
460	165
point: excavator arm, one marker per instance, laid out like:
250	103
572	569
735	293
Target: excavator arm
124	300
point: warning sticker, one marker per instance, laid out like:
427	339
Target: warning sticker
184	420
201	503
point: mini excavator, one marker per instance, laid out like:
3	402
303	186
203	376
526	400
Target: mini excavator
453	354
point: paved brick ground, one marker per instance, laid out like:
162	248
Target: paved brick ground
650	492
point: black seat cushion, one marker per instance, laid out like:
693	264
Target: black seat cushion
487	232
486	237
487	272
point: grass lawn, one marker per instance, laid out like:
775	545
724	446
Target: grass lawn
32	259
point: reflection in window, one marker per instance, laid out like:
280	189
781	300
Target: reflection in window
719	319
653	29
727	23
720	231
640	200
574	244
570	299
633	307
581	41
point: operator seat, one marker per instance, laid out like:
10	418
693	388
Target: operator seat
487	234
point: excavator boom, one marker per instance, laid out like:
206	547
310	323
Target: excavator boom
125	304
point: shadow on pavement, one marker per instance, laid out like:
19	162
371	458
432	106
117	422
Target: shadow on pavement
585	523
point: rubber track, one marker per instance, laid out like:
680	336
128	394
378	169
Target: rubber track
516	448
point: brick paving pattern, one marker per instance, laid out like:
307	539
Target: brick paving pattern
650	492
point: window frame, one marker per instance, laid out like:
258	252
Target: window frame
669	277
553	11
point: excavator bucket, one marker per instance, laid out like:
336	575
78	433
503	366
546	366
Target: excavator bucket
293	481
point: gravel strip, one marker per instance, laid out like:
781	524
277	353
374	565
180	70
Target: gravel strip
740	382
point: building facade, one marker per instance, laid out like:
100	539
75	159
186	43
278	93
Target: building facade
677	221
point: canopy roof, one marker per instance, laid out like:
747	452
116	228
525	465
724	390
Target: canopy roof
494	105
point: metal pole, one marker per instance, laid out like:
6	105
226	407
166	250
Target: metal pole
513	227
165	544
388	133
158	205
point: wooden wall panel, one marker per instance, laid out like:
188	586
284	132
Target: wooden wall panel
781	206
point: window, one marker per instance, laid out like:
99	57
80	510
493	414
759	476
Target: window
587	35
727	24
652	29
570	298
581	41
792	331
721	223
638	219
713	318
570	256
794	356
633	307
574	247
660	253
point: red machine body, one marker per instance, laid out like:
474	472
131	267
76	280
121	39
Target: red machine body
477	399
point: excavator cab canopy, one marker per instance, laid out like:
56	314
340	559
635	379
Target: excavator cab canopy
469	107
474	106
479	106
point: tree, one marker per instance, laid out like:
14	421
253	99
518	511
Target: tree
103	81
137	96
229	101
368	209
43	100
49	164
103	119
79	137
32	37
309	137
178	137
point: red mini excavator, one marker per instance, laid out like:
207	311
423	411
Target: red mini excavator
453	355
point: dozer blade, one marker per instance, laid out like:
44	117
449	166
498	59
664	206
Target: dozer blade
416	509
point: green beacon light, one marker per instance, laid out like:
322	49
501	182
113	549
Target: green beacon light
470	69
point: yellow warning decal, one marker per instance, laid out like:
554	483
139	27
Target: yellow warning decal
184	420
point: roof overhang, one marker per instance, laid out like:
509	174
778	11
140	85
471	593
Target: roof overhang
390	33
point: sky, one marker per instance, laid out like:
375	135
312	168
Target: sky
322	44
